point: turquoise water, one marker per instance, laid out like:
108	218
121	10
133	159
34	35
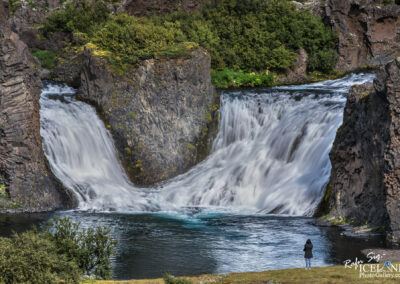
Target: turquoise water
195	242
270	156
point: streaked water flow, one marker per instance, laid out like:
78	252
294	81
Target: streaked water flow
270	154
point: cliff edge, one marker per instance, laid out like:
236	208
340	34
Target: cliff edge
26	183
162	114
365	179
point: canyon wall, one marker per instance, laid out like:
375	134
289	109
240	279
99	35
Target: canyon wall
26	183
368	31
365	178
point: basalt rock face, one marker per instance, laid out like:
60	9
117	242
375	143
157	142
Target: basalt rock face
369	33
25	18
26	182
162	114
365	179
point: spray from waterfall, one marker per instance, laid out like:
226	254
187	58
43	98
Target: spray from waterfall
270	154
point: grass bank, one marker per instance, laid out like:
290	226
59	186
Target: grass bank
330	274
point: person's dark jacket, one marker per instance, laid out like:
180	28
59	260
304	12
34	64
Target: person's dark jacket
308	250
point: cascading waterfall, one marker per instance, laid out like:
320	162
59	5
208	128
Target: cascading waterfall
270	154
82	155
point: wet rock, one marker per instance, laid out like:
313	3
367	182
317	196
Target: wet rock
365	178
160	114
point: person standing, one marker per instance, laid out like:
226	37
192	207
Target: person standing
308	253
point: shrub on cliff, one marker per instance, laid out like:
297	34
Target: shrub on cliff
255	34
228	78
63	251
78	16
248	35
322	60
135	38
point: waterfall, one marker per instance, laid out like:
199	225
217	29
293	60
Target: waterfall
82	155
270	154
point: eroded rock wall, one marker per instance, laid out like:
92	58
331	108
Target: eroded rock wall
365	179
161	114
29	184
369	32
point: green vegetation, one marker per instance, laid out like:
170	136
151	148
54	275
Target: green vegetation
255	35
321	275
228	78
322	60
13	5
46	58
63	251
244	37
79	16
387	2
2	190
169	279
31	258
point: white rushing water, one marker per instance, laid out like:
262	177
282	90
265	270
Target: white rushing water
270	154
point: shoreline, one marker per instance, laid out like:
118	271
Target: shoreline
326	274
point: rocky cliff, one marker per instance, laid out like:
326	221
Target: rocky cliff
25	181
369	32
365	178
162	114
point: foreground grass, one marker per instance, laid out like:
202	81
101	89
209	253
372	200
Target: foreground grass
331	274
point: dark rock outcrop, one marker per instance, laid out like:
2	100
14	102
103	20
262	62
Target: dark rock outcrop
26	16
365	178
26	182
369	33
160	114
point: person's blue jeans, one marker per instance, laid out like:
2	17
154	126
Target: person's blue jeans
308	262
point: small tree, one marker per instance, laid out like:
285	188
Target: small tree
31	258
90	248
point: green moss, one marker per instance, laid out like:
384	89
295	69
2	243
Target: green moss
2	190
46	58
327	194
14	6
190	146
365	95
132	115
324	206
179	50
208	117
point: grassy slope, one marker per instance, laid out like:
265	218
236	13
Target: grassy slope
331	274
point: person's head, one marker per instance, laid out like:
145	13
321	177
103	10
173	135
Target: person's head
308	241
